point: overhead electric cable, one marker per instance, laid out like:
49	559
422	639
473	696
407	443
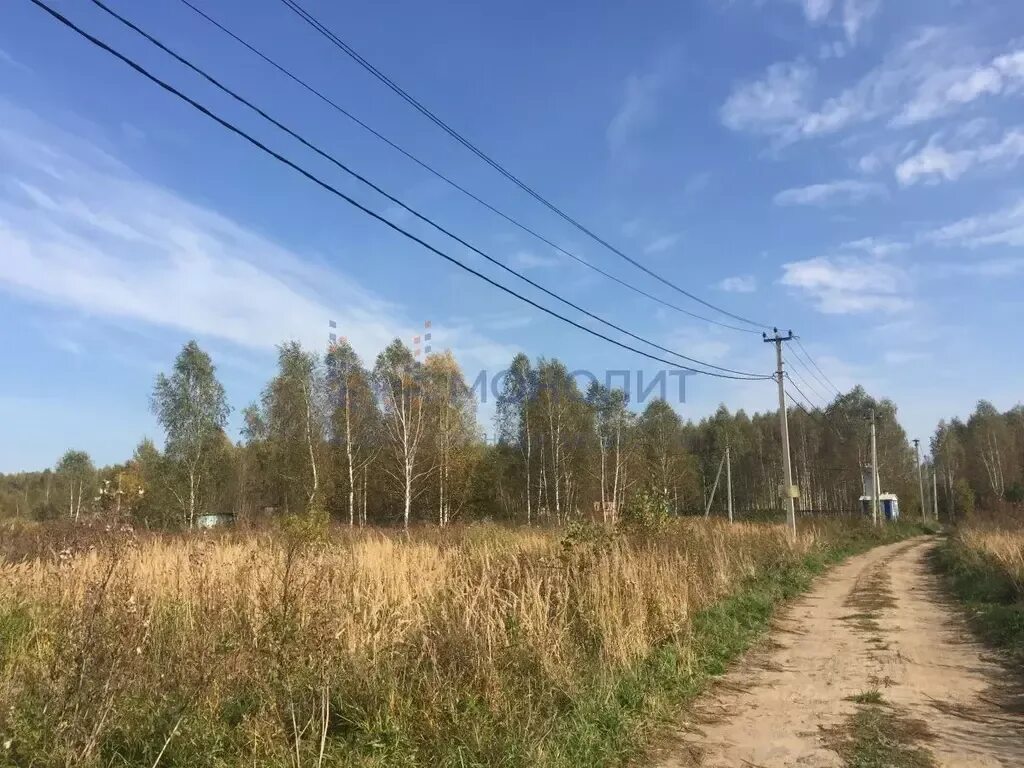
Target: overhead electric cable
349	51
351	201
797	403
826	378
452	183
801	392
330	158
823	401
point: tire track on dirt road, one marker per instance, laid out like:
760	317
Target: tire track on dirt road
875	623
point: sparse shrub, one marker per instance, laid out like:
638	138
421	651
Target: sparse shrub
648	512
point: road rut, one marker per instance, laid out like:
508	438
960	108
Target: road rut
876	622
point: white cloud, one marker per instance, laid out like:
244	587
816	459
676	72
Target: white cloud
946	89
639	107
6	58
928	76
772	104
531	260
739	284
1002	227
816	10
98	239
662	244
698	182
935	163
839	191
848	285
856	14
875	246
877	159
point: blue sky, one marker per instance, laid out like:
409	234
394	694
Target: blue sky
847	168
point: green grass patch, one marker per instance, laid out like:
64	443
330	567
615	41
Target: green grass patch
992	604
867	697
880	736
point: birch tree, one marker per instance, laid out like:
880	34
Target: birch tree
515	420
353	420
453	428
76	473
611	419
398	379
292	422
191	406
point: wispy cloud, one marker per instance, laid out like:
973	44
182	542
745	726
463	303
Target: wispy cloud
1002	227
928	76
10	61
531	260
841	191
738	284
948	88
856	15
773	104
639	106
935	163
662	243
840	285
852	15
81	231
876	246
816	10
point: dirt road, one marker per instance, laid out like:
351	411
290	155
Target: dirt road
873	630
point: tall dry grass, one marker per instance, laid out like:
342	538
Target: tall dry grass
470	646
1000	547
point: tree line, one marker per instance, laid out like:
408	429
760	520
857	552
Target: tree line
399	442
980	462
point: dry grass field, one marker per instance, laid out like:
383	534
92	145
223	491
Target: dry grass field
1001	547
472	646
984	565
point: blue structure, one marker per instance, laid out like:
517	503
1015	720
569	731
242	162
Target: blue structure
888	506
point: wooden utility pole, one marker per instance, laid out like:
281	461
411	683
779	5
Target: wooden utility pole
935	490
788	491
920	477
874	471
728	478
714	488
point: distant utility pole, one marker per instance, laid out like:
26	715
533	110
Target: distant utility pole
728	478
789	491
714	488
920	477
874	471
935	490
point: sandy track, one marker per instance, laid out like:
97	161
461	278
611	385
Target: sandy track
875	622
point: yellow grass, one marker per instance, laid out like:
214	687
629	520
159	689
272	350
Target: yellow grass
361	648
1001	546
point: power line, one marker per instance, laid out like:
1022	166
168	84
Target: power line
330	158
797	403
338	193
800	391
349	51
452	183
811	387
826	378
799	359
